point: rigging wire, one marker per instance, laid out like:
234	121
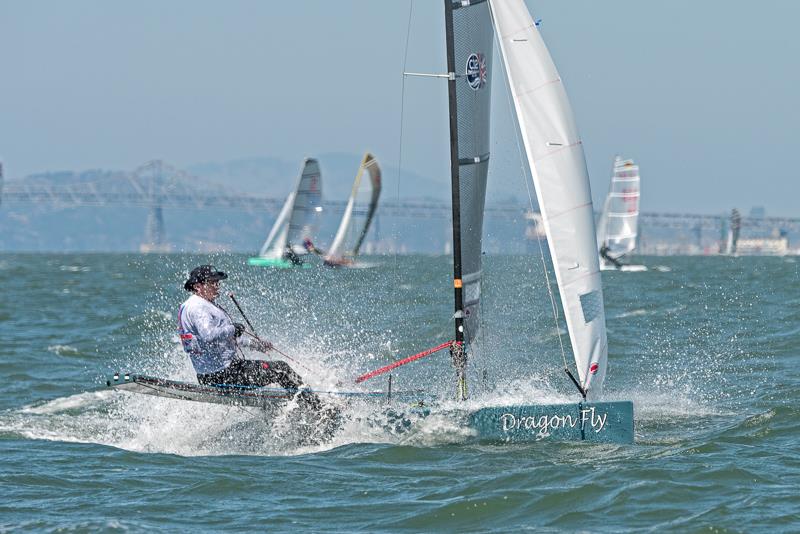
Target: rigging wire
400	148
395	234
553	303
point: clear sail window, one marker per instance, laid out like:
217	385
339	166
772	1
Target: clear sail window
590	304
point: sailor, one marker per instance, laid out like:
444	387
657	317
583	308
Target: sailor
211	339
291	255
604	254
311	248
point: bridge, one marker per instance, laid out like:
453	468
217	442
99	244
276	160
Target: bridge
157	185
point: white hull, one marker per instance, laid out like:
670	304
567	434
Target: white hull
624	268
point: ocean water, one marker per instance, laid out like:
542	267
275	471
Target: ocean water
708	349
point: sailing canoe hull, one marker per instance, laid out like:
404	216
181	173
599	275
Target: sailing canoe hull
595	422
624	268
276	263
238	395
172	389
633	268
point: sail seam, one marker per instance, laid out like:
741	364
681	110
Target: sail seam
545	84
559	149
559	214
581	277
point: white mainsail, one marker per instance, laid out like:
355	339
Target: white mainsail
275	245
617	230
351	233
296	220
558	167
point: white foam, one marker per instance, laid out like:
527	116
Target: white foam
63	350
75	268
81	400
634	313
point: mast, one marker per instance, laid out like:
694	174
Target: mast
457	351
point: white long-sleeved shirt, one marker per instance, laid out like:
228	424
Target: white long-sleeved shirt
207	335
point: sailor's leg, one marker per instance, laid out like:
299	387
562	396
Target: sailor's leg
262	373
244	373
284	375
255	373
230	375
281	373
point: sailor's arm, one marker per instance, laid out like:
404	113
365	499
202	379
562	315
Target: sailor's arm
254	343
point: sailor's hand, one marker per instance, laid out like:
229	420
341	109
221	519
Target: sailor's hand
262	346
238	329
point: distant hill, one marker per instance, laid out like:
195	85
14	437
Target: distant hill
276	177
45	227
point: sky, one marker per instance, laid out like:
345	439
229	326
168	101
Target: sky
702	94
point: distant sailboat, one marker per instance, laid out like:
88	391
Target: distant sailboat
296	222
618	228
357	218
730	238
556	161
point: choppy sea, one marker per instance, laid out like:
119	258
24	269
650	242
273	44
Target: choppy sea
708	349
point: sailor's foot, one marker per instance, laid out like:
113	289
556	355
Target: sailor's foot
323	417
329	421
309	399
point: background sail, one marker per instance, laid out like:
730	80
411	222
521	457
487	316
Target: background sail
359	212
307	204
618	228
275	244
558	168
297	216
474	42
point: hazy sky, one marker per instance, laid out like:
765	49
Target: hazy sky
702	93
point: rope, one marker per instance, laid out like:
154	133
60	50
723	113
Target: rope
256	336
553	304
398	363
275	349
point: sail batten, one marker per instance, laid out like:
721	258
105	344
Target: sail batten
558	169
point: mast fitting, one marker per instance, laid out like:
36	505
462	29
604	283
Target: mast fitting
459	355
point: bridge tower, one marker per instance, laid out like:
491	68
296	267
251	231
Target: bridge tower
154	233
697	230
